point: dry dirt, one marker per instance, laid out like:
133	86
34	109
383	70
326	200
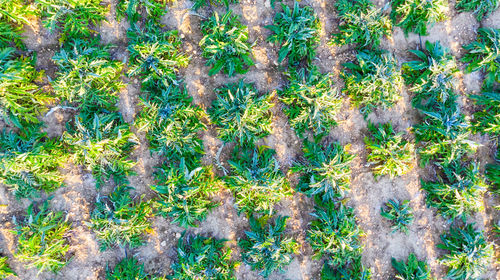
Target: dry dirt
367	194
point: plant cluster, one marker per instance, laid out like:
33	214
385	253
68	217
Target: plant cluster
203	258
493	172
42	238
417	15
266	248
353	271
399	214
389	153
487	118
13	15
129	269
5	270
240	114
311	100
207	3
297	32
375	81
412	269
152	9
361	23
225	44
481	8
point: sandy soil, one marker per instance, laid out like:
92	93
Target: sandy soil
367	194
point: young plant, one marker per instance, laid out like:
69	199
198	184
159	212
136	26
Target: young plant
327	172
481	8
151	9
417	15
334	233
29	162
184	192
129	269
354	271
13	15
361	23
493	172
203	258
119	220
240	114
375	81
42	240
297	32
225	44
413	269
312	101
389	154
256	180
484	55
266	248
487	118
458	192
399	214
207	3
469	254
5	270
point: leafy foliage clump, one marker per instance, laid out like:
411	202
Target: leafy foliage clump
487	119
29	162
481	8
225	44
42	238
207	3
297	32
240	114
203	258
484	55
375	81
256	180
493	172
266	248
311	100
469	253
413	269
327	172
352	271
13	15
399	214
129	269
5	270
361	23
417	15
388	151
119	220
152	9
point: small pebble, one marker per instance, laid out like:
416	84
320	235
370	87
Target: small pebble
182	36
330	57
163	243
178	235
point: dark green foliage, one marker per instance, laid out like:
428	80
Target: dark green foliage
42	240
240	114
29	162
184	192
487	118
152	9
326	172
417	15
335	235
5	270
266	248
297	32
13	15
203	258
413	269
207	3
312	101
469	254
484	55
375	81
399	214
361	23
389	154
256	181
493	172
129	269
458	192
481	8
225	44
118	220
353	271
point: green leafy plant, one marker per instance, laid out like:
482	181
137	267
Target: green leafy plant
29	162
5	270
417	15
353	271
389	153
207	3
375	81
334	233
413	269
256	180
361	23
493	172
311	100
129	269
13	15
225	44
487	118
42	240
399	214
240	114
266	248
203	258
326	172
484	55
152	9
481	8
184	192
469	253
297	32
119	220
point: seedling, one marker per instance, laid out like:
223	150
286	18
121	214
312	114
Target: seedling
151	9
413	269
417	15
487	118
353	271
493	172
481	8
129	269
5	270
399	214
207	3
